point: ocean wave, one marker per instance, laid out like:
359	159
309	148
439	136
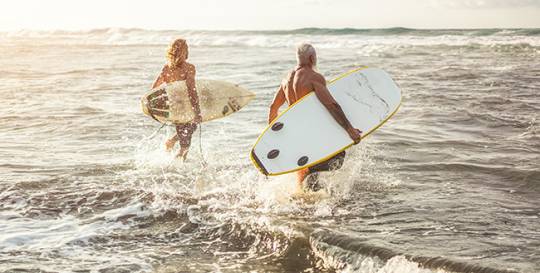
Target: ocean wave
351	254
309	30
408	31
324	38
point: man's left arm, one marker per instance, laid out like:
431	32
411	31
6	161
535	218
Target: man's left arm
279	100
324	96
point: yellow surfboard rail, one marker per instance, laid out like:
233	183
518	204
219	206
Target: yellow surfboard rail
364	134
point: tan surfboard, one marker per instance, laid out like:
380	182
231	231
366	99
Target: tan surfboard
170	103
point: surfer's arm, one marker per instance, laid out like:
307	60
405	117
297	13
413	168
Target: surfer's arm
335	110
192	93
161	78
279	100
159	81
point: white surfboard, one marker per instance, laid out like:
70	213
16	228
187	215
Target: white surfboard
170	103
305	134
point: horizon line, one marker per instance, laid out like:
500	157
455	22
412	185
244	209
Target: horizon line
258	30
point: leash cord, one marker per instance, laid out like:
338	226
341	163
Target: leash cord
200	140
155	133
200	145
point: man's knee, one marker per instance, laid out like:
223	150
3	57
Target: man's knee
312	182
184	142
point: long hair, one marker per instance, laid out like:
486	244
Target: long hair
177	52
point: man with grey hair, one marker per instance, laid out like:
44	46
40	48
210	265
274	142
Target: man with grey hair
300	82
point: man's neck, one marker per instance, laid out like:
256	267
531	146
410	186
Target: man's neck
304	66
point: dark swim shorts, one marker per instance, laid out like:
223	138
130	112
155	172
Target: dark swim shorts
184	132
331	164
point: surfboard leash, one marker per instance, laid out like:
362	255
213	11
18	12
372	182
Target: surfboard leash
200	140
155	132
200	146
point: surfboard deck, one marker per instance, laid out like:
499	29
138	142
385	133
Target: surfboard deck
217	99
305	134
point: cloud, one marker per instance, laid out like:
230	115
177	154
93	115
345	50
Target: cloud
485	4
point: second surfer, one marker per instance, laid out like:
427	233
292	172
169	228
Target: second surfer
178	69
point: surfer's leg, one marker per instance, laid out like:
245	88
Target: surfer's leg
331	164
301	175
182	153
169	144
312	182
184	133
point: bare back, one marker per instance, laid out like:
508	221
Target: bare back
299	83
185	72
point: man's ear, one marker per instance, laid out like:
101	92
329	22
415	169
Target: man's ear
312	59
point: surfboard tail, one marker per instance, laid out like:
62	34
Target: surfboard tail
258	163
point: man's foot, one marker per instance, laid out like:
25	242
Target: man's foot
169	144
182	153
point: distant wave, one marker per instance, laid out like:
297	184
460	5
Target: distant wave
309	31
528	39
405	31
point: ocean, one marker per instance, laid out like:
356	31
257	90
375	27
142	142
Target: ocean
451	183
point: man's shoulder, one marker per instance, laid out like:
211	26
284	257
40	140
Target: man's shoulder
190	68
288	77
317	77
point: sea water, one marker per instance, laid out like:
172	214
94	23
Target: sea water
450	184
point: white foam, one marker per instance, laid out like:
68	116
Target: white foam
22	234
115	36
397	264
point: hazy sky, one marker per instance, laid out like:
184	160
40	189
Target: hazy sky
267	14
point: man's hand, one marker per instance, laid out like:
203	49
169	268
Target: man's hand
355	134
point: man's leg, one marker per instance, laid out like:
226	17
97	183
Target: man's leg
312	182
312	173
184	133
182	153
301	175
169	144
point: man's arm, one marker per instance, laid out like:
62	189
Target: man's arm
192	93
279	100
324	96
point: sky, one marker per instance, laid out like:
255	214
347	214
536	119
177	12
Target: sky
267	14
